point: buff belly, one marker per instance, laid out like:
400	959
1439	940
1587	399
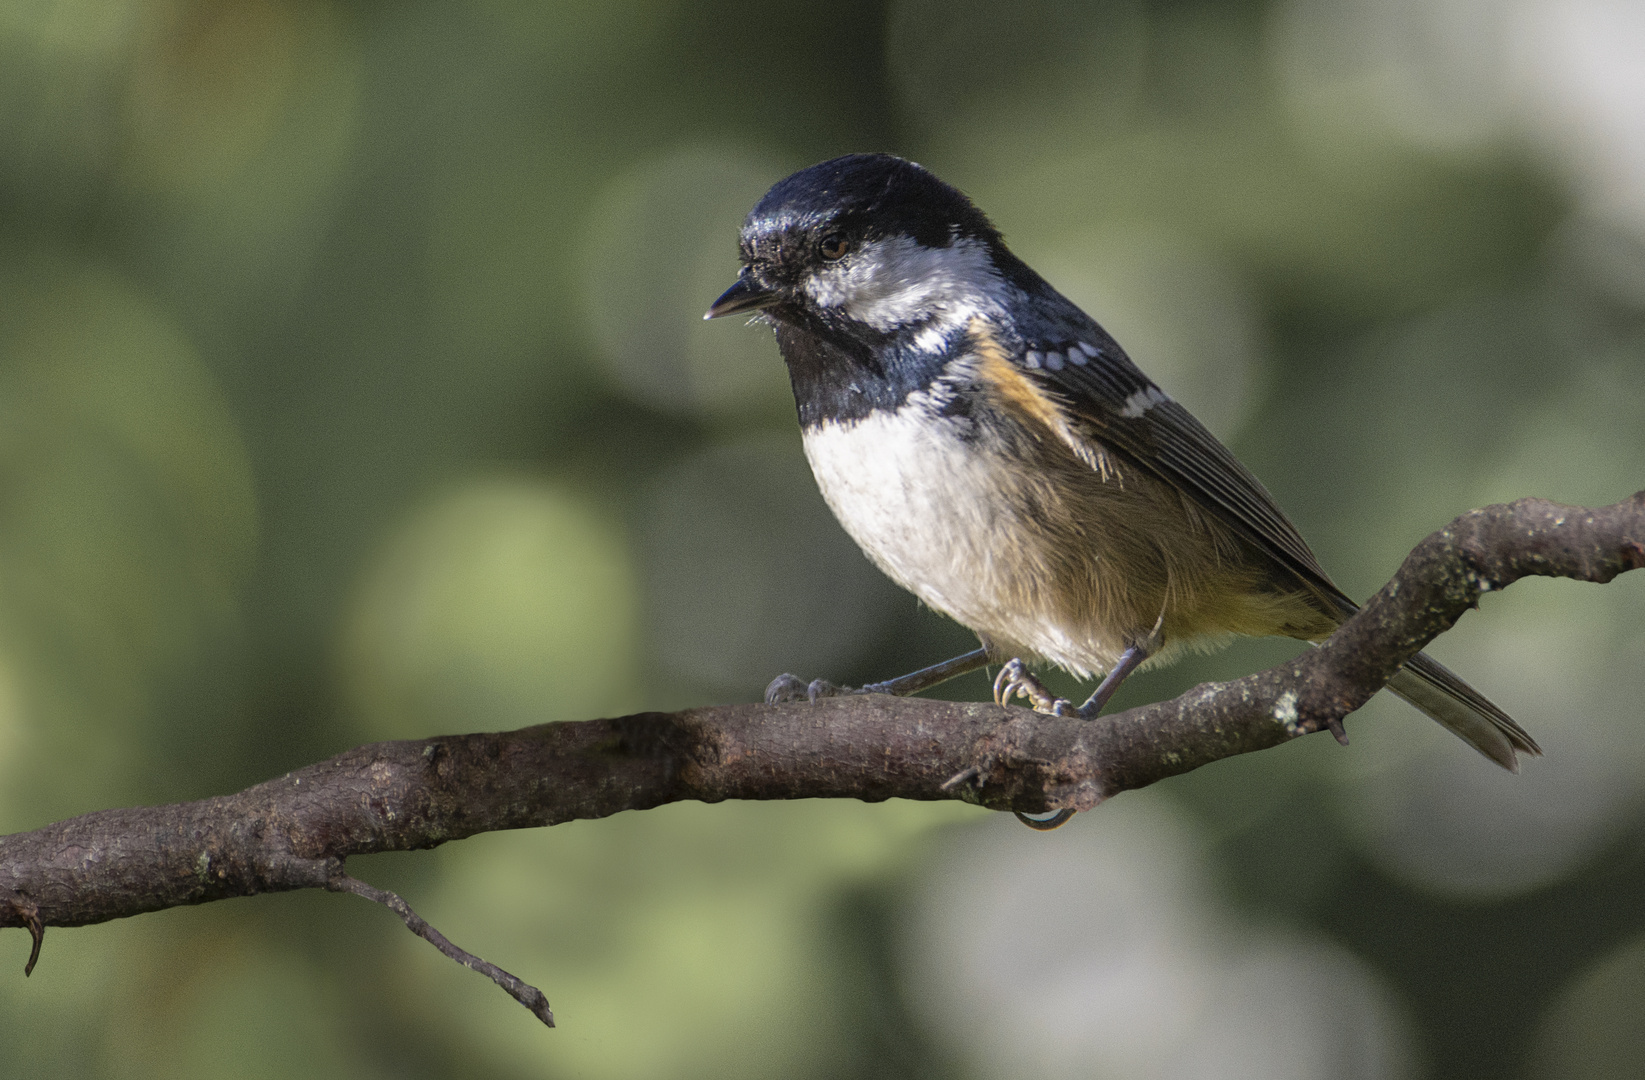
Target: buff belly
1044	558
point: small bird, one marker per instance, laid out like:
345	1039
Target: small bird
996	453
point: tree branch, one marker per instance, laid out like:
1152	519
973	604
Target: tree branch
295	832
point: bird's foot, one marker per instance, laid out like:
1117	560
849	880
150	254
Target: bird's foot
786	688
1044	824
1015	680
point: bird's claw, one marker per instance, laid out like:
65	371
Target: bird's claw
1045	824
787	688
1015	680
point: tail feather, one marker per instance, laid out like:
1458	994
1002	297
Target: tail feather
1462	710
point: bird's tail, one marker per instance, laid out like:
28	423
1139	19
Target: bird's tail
1462	710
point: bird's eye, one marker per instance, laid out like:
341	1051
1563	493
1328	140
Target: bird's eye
833	247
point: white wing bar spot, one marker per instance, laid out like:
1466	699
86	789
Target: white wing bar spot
1143	400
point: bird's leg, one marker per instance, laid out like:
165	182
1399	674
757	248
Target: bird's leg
793	688
926	678
1128	662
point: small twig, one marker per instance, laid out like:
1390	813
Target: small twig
521	991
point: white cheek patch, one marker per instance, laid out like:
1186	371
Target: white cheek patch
899	282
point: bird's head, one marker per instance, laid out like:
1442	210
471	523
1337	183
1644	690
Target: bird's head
865	247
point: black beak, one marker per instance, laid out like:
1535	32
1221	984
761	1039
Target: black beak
743	296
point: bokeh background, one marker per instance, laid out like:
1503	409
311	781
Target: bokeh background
352	386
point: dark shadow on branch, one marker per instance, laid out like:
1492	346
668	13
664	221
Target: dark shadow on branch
296	832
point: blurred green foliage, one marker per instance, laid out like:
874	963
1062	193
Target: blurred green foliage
352	387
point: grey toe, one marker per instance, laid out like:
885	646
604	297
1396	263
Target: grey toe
786	688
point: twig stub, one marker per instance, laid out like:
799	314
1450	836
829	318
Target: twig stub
29	912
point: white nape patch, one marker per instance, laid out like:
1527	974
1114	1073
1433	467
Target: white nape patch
1143	400
898	282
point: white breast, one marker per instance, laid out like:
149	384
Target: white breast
932	512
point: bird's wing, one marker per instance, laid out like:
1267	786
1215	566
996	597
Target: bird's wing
1106	399
1097	394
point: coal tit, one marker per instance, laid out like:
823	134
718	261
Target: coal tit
996	453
